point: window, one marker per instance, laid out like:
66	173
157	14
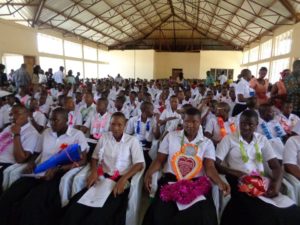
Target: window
266	49
73	49
277	67
54	63
90	53
253	54
49	44
75	66
90	70
103	56
12	62
103	70
253	69
245	57
283	43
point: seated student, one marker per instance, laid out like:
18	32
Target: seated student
89	108
145	128
23	96
287	119
120	106
6	110
180	96
37	118
291	153
251	104
185	143
188	97
78	101
74	117
36	201
98	123
217	128
120	157
44	103
133	105
170	116
243	154
271	128
17	141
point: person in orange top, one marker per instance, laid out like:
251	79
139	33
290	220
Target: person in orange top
278	92
260	85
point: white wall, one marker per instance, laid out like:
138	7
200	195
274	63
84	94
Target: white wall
221	60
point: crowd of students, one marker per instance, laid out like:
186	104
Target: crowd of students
187	130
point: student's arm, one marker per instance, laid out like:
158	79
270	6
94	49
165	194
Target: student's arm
92	178
211	172
276	178
31	163
241	98
38	127
156	129
19	153
120	185
227	171
155	166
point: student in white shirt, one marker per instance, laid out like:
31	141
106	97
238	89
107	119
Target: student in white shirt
243	154
74	117
188	142
271	129
120	157
37	118
59	75
120	106
243	91
18	141
133	104
98	124
287	119
145	128
169	117
38	198
89	108
222	78
217	128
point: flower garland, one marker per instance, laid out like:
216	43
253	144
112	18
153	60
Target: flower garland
267	132
258	157
223	131
185	191
99	125
5	140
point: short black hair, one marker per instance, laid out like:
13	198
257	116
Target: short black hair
249	114
61	111
193	112
225	106
103	100
120	115
145	104
263	107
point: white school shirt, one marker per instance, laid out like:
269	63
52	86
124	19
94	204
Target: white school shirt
58	77
291	153
133	110
97	96
51	143
289	123
213	128
44	108
143	135
124	110
40	118
172	144
87	111
243	88
76	120
222	78
93	119
30	140
171	123
228	150
121	156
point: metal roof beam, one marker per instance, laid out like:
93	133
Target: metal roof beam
171	7
291	9
38	13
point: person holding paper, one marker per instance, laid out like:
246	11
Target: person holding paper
116	158
18	141
35	200
255	199
188	160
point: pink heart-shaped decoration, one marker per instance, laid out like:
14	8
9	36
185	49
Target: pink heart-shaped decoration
186	165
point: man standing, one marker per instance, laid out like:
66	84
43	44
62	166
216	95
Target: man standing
3	76
21	77
292	84
59	75
222	78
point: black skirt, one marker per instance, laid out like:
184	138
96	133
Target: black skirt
113	211
245	210
3	167
163	213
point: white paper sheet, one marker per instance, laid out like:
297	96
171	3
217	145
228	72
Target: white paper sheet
183	207
97	195
281	201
